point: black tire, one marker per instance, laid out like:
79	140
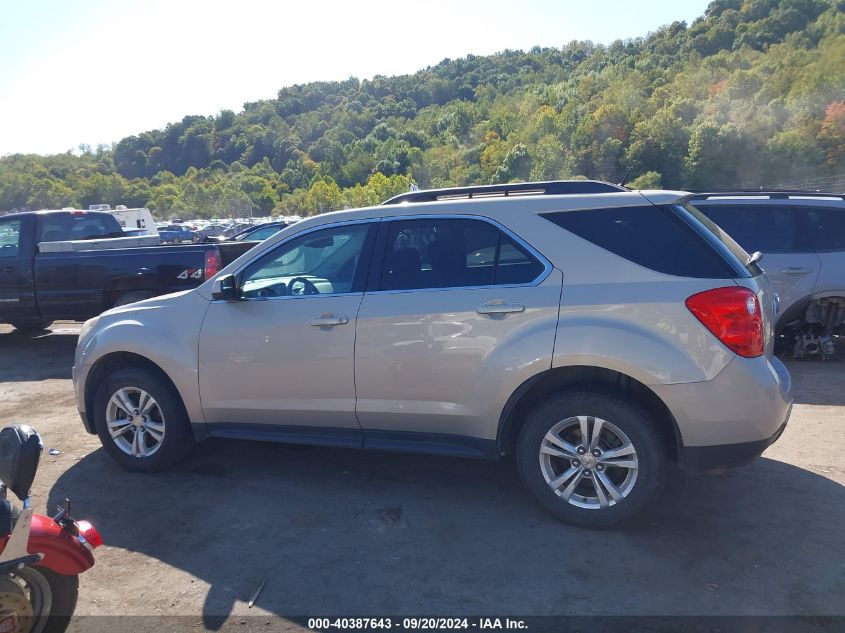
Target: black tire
132	297
47	597
65	593
628	417
31	327
178	438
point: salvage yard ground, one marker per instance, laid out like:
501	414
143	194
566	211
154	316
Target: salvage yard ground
364	533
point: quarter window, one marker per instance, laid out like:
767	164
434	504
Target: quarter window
453	253
655	237
328	261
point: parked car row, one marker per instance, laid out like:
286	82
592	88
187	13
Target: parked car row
184	233
607	338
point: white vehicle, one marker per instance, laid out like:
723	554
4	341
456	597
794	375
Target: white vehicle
130	219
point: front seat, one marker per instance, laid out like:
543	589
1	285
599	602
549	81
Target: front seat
404	269
448	265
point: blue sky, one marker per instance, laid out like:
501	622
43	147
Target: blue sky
94	71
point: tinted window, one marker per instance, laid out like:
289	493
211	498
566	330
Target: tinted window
654	237
261	234
768	229
10	238
826	227
321	262
60	227
724	239
446	253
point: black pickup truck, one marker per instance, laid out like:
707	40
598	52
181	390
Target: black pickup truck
38	287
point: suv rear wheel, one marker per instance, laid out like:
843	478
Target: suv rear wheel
592	459
141	421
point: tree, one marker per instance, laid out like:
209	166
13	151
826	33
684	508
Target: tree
832	133
648	180
750	93
515	166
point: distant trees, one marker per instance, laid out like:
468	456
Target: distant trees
752	92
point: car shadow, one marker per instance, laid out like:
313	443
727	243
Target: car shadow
363	533
40	356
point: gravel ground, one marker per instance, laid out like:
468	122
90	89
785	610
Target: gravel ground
360	533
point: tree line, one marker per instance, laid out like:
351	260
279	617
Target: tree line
751	93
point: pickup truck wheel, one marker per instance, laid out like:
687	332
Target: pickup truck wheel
593	459
31	327
131	297
141	421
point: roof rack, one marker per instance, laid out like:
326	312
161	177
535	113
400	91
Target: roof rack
774	195
548	188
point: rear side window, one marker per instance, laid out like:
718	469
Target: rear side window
453	253
61	227
654	237
826	227
764	228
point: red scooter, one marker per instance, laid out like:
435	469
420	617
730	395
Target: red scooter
42	557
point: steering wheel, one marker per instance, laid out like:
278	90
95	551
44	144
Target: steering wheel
300	286
276	290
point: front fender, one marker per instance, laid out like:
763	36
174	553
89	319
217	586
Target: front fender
164	330
63	553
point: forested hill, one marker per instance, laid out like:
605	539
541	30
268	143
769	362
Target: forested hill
752	93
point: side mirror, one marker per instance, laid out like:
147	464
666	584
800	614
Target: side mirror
225	288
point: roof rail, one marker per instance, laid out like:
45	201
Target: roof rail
548	188
774	195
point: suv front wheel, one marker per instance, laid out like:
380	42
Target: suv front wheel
592	459
141	421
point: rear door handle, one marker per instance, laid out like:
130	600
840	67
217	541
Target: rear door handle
329	321
500	308
796	270
9	269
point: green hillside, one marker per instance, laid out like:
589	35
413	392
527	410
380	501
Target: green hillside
752	93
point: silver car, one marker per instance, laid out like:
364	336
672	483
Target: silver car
608	340
802	237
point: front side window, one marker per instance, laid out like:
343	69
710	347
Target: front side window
10	238
826	226
453	253
321	262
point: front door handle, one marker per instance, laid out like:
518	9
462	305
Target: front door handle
329	321
796	270
500	308
9	269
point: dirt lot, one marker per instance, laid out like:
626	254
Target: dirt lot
348	532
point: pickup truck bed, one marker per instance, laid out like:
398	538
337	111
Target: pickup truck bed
37	287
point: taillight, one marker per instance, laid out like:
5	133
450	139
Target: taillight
733	315
90	534
213	265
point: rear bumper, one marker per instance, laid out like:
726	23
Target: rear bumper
700	459
730	420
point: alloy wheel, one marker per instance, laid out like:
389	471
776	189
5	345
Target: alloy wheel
135	422
588	462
